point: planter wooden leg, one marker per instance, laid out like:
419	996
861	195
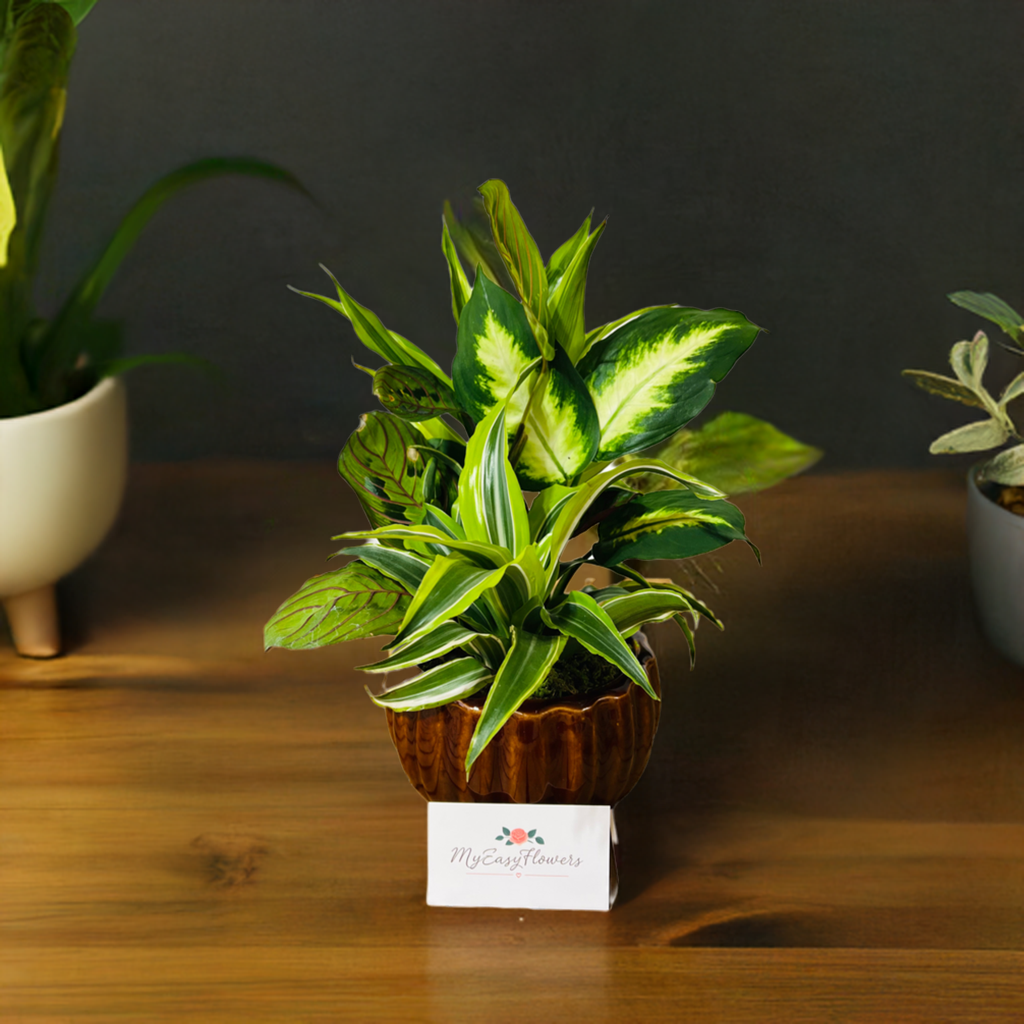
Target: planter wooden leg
33	621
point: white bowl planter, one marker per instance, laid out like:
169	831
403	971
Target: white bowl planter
995	539
62	475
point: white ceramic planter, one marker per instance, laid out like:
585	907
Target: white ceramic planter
995	539
62	475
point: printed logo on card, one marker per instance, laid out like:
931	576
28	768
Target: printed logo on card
527	859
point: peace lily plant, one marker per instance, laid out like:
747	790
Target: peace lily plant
47	363
467	576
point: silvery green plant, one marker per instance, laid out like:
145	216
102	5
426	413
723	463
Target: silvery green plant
45	363
470	580
969	360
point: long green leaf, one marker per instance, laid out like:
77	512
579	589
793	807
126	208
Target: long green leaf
545	508
438	686
735	452
449	587
78	9
457	276
524	669
413	393
991	307
653	374
59	348
492	555
472	240
517	248
667	524
582	618
440	640
628	611
563	255
373	334
490	502
567	299
345	604
381	465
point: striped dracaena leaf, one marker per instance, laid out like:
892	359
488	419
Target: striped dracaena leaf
380	463
545	508
572	511
449	587
518	250
944	387
413	393
667	524
373	334
654	373
579	616
525	667
345	604
440	640
440	685
456	275
490	555
490	501
991	307
735	452
636	582
566	299
563	255
630	611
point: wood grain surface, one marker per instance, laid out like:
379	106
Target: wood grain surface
831	827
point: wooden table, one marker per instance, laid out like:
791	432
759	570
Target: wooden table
831	827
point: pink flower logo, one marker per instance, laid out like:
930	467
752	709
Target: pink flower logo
518	836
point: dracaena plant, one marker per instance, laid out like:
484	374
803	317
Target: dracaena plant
469	579
969	360
45	363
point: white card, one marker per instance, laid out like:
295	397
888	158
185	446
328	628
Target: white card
527	856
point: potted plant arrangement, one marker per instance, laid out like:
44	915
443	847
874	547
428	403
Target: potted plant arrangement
528	691
995	486
63	450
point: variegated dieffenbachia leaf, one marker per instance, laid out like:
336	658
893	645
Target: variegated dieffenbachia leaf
667	524
735	452
525	667
385	470
566	299
495	347
653	374
413	393
991	307
562	432
345	604
442	684
517	248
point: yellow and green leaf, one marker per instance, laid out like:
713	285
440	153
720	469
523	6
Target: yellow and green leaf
442	684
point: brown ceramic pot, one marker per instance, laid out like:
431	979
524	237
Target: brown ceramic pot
589	750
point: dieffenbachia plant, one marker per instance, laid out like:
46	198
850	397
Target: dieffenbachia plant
969	359
47	363
469	579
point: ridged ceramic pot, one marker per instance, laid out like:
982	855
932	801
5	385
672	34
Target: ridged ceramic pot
995	539
589	750
62	476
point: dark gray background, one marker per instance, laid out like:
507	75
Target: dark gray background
830	168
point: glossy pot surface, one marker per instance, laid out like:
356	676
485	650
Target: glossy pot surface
995	538
574	751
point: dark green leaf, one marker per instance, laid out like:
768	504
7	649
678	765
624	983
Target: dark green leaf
345	604
667	524
991	307
383	468
653	374
505	831
78	9
541	841
735	452
413	393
